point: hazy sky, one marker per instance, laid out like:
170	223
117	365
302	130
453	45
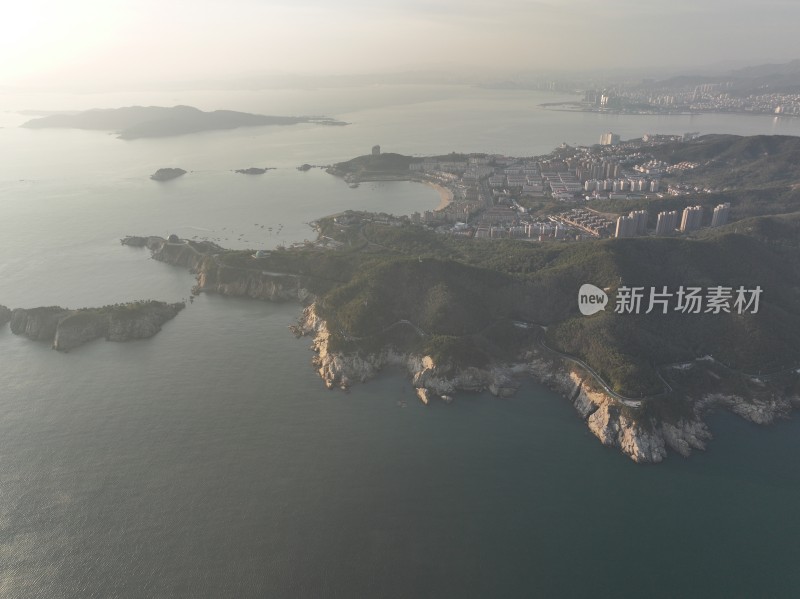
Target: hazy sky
108	42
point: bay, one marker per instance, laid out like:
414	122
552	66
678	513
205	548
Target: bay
209	461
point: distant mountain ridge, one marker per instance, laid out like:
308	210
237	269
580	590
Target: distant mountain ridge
765	78
767	70
133	122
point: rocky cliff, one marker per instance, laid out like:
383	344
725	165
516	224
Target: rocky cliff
341	370
5	315
602	413
641	429
617	425
67	329
39	324
254	284
622	425
202	259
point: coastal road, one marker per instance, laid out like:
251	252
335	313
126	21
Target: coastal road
628	401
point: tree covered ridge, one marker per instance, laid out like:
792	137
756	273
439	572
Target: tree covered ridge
466	294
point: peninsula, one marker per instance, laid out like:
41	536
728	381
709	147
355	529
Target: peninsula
464	313
67	329
134	122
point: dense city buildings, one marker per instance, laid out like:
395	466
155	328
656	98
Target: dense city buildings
609	139
492	194
676	98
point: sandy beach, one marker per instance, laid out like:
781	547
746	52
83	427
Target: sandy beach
445	194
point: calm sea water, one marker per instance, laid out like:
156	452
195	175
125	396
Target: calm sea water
210	461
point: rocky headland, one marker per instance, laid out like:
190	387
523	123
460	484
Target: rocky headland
203	259
5	315
67	329
642	438
643	429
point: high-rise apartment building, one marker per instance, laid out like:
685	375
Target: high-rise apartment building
720	216
692	217
667	222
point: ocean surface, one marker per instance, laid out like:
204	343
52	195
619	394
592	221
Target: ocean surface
210	461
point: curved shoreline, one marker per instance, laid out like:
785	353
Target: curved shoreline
445	195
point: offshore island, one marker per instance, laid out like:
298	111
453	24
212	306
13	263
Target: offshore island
67	329
486	290
135	122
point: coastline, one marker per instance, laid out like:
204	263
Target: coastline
445	195
631	426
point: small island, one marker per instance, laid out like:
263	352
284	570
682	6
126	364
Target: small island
253	170
135	122
167	174
67	329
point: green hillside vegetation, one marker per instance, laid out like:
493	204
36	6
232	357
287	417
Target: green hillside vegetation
758	175
463	296
472	301
734	161
385	165
387	162
745	203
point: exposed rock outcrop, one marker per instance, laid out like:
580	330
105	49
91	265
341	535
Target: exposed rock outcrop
5	315
165	174
254	284
627	425
760	411
213	275
424	395
336	368
39	324
67	329
616	425
613	423
78	328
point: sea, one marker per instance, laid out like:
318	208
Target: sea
210	460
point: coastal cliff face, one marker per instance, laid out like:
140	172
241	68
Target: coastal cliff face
622	425
68	329
432	381
213	276
38	324
628	425
78	328
642	440
5	315
763	411
254	284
